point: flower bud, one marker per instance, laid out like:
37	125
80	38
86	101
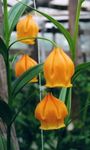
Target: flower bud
26	28
51	112
58	69
23	64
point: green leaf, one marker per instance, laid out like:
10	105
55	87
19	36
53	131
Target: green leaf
68	104
59	26
3	49
79	69
2	143
61	29
82	1
25	78
5	112
14	14
68	99
63	94
82	66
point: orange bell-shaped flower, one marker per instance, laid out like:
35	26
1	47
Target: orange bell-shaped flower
58	69
51	113
23	64
27	27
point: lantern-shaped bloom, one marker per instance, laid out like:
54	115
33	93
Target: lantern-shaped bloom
23	64
27	27
58	69
51	113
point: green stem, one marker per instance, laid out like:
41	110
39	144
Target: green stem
8	137
8	78
41	38
6	26
76	28
9	100
6	31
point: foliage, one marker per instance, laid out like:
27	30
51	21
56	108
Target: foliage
20	91
27	127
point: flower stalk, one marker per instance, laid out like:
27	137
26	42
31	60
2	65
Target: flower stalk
6	31
40	38
6	26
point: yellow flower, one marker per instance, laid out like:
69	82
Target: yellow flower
27	27
23	64
58	69
51	113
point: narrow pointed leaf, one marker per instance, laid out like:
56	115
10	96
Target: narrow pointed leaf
59	26
68	99
82	66
2	142
79	69
3	49
25	78
63	94
68	104
61	29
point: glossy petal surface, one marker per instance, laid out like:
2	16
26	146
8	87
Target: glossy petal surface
51	113
58	69
27	27
23	64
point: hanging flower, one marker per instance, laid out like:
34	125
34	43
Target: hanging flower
23	64
27	27
58	69
51	113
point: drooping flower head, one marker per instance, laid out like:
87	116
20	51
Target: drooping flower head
23	64
51	112
58	69
27	27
